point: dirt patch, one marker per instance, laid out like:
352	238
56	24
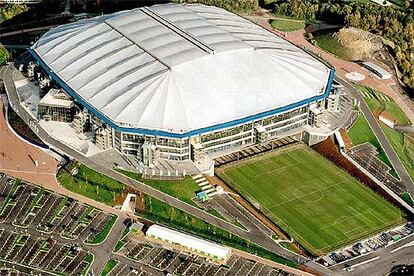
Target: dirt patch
346	138
376	113
360	44
388	116
140	203
309	270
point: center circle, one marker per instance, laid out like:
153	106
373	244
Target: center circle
308	194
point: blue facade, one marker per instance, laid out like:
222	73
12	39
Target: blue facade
233	123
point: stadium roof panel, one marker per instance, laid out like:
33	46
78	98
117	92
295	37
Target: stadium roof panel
179	68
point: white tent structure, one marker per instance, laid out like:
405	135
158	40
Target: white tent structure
178	68
189	242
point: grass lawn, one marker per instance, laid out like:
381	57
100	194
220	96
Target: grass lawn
404	147
361	133
407	198
287	25
108	267
4	55
403	144
118	246
162	213
184	189
319	205
332	45
89	259
102	188
378	102
90	183
105	231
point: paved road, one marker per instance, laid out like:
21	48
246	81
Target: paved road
105	249
254	236
385	144
343	67
228	206
382	260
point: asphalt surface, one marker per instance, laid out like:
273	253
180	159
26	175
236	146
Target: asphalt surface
385	144
53	236
22	268
253	235
380	262
102	252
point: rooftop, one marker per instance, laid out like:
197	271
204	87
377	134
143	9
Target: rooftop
58	98
178	68
377	68
194	243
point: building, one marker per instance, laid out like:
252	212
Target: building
150	154
377	70
315	117
182	82
190	243
56	105
333	101
103	138
81	122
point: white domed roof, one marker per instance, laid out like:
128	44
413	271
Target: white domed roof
178	68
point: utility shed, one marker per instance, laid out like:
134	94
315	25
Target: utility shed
189	242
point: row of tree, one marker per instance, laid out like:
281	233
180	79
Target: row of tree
7	11
231	5
393	23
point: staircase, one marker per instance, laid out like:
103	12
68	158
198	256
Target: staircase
205	185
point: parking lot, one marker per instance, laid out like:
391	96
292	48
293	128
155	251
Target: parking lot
40	254
365	155
25	205
44	232
163	258
369	245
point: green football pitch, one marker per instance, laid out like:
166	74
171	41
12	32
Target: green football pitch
315	202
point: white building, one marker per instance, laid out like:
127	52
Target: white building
189	242
178	78
56	105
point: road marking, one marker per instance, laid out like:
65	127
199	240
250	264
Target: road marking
403	246
365	262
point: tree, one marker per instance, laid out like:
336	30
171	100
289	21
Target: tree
7	11
392	23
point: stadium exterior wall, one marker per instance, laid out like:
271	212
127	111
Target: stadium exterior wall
254	117
215	139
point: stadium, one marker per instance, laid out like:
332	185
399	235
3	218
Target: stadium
181	82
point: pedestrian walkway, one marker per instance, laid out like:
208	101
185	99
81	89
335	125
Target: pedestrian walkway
205	185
